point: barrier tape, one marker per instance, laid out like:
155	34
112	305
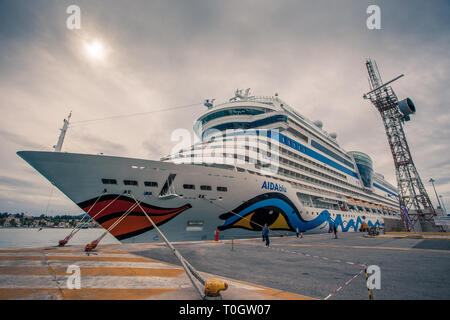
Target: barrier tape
363	266
345	284
323	258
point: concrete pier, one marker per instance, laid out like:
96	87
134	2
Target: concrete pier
412	266
109	273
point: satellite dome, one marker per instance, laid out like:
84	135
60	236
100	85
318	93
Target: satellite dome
318	123
333	135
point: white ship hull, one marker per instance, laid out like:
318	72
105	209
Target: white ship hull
185	215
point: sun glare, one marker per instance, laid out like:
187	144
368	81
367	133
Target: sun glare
95	50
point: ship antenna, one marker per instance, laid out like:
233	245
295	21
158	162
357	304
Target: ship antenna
58	146
209	103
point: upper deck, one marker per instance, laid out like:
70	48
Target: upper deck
245	112
240	132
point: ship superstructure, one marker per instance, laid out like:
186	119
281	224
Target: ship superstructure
253	134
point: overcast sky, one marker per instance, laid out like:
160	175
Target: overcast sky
164	54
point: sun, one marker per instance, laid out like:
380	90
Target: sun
95	50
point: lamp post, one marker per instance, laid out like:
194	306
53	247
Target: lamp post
432	182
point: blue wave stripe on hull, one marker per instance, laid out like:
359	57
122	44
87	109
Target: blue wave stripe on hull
351	223
294	220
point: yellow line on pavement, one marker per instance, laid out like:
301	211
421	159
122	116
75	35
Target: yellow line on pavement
79	294
360	247
78	258
422	233
91	271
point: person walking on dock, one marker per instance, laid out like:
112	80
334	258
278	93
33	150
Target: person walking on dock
335	231
297	231
265	234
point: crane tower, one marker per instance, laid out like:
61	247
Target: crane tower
416	209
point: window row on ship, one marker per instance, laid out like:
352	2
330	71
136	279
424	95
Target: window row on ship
335	153
304	128
351	189
154	184
355	213
217	150
219	144
298	156
284	163
307	187
224	189
339	191
330	143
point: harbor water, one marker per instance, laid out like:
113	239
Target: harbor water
31	237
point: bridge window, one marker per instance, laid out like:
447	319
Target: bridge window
189	186
150	183
130	182
222	189
245	125
207	188
231	112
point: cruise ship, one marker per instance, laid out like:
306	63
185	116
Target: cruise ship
257	161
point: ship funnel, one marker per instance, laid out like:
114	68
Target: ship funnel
407	107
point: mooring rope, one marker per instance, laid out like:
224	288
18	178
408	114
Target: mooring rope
70	236
89	121
188	268
92	245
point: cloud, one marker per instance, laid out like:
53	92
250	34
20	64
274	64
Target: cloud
19	140
15	182
164	54
95	144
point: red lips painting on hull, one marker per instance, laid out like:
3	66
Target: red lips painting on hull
136	222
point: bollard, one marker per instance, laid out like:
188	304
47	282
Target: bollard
232	244
213	288
91	246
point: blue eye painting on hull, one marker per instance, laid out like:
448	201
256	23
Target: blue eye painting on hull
279	213
275	209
